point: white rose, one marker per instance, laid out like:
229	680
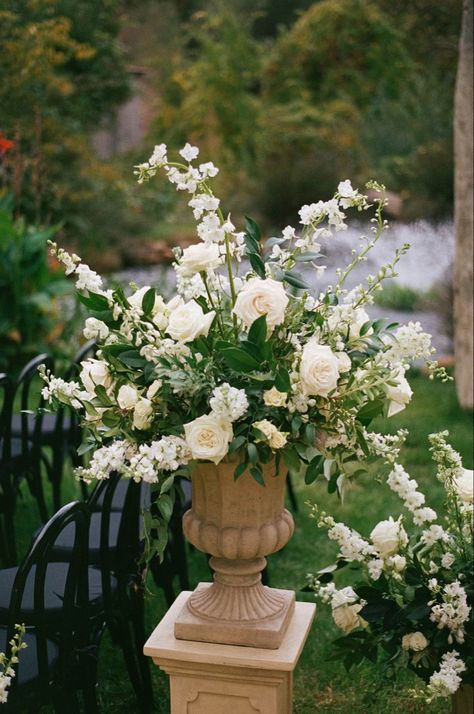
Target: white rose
464	485
344	361
208	437
199	257
95	329
142	413
127	396
94	373
273	398
319	369
400	395
154	388
261	297
276	439
347	617
188	321
388	536
415	641
398	563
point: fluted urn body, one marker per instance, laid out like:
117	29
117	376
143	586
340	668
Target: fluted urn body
238	523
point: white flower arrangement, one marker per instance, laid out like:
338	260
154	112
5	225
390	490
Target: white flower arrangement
400	612
246	357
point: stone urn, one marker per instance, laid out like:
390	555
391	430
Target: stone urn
238	522
463	700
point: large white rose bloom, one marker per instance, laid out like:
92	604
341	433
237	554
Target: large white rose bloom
463	484
188	321
261	297
319	369
415	641
127	396
208	437
400	395
198	258
388	537
142	413
94	373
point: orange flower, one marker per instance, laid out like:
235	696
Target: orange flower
5	144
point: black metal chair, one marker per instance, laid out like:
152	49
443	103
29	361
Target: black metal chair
7	501
53	601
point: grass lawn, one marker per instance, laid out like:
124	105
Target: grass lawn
321	685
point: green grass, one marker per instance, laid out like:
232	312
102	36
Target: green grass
320	685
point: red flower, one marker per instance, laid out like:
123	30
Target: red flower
5	144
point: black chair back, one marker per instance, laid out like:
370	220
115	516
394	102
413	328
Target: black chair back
7	500
56	653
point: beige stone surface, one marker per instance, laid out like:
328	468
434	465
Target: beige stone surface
208	678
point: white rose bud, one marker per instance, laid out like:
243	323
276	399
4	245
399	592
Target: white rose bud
398	563
154	388
262	297
463	484
188	321
276	439
198	258
127	396
344	361
273	398
388	537
95	329
347	617
319	369
400	395
142	413
94	373
208	437
415	641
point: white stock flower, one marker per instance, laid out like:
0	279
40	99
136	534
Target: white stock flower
415	641
319	369
446	680
276	439
273	398
208	170
94	373
127	396
142	413
228	403
261	297
95	329
399	395
188	321
203	202
388	536
463	484
87	279
344	361
199	258
208	437
189	153
158	156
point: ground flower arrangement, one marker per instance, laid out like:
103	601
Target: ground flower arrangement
246	359
413	604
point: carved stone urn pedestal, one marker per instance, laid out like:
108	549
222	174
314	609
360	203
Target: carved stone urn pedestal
238	523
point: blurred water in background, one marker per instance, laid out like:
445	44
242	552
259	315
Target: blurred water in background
425	268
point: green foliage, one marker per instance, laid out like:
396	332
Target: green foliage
399	297
32	315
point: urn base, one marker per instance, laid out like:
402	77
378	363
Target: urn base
266	632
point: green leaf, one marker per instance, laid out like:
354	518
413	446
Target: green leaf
240	469
295	280
252	229
257	264
132	358
236	443
282	380
315	468
256	472
253	453
307	256
148	301
94	301
167	484
258	330
369	411
165	506
239	360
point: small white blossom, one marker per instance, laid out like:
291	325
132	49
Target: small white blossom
189	153
228	402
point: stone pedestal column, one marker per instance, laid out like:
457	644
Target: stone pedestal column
208	678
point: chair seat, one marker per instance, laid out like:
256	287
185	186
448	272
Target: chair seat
27	668
56	574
